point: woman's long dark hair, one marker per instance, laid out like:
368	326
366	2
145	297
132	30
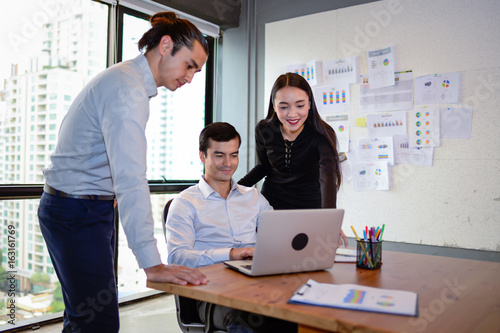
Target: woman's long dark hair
182	32
313	118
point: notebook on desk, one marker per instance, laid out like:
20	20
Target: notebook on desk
292	241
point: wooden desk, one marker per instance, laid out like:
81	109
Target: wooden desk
455	295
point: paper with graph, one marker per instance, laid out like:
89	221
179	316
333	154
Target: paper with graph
357	297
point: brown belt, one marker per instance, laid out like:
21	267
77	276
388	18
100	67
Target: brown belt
50	190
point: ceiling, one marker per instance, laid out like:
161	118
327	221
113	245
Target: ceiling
224	13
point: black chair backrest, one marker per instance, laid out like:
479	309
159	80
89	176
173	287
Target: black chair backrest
164	217
187	309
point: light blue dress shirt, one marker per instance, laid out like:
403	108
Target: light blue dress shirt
102	149
202	227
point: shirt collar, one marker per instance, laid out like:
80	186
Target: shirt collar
206	190
149	80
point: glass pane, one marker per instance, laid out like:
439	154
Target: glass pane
26	272
175	118
131	279
51	50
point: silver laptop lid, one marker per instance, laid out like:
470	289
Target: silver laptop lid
290	241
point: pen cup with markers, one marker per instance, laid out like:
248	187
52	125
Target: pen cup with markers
369	254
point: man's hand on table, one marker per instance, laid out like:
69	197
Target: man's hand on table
175	274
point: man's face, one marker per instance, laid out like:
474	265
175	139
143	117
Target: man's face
175	71
221	160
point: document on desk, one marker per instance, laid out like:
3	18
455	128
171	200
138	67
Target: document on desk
356	297
345	255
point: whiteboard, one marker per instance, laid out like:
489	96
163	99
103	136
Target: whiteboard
456	202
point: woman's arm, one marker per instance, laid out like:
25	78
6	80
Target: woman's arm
327	175
328	164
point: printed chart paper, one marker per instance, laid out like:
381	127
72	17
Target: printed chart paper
311	71
333	98
381	68
392	98
343	71
386	124
357	297
380	149
424	127
340	124
404	154
438	89
370	176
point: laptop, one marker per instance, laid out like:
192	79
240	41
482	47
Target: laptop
292	241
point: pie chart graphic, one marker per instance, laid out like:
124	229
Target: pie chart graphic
341	128
386	62
446	83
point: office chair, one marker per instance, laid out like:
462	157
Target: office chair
187	312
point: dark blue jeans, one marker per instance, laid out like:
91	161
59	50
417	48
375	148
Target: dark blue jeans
80	237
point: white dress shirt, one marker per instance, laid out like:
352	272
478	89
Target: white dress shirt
102	149
202	227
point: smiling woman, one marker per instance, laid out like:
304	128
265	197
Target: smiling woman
296	150
292	108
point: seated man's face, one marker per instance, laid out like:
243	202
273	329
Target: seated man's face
221	160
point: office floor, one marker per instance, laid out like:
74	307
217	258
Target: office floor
153	315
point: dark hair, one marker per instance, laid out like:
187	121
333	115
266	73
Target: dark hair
220	132
313	118
182	32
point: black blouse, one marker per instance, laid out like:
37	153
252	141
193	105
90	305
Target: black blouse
299	174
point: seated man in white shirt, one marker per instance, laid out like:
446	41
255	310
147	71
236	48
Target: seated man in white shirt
216	220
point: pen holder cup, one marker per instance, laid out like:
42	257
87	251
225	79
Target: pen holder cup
371	249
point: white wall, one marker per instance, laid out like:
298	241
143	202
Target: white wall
456	202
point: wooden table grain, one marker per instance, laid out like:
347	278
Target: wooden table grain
455	295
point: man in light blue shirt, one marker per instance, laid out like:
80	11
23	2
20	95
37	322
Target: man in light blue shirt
100	154
216	220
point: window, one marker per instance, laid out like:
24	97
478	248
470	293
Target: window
38	91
